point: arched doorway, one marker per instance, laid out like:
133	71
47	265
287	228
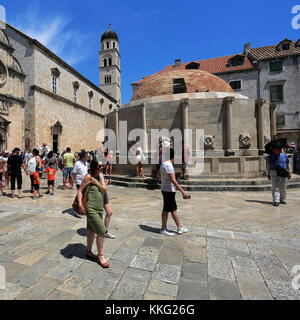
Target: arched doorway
4	128
56	132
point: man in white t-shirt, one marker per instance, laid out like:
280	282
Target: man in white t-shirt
80	169
168	189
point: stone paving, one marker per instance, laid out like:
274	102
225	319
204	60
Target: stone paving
239	247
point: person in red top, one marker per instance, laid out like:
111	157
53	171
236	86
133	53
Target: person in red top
36	184
51	178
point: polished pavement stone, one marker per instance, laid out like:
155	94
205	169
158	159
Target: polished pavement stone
238	247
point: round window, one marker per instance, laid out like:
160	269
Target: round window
3	73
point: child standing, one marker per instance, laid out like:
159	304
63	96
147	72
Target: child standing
51	178
36	184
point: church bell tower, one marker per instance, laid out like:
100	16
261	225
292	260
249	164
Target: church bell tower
109	62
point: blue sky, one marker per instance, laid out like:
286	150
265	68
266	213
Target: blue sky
152	33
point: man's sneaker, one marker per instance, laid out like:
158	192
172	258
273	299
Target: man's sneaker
182	230
109	235
48	192
275	204
166	232
282	201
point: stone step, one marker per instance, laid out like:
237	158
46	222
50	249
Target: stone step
204	182
210	188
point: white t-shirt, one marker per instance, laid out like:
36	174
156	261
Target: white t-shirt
166	184
81	170
31	165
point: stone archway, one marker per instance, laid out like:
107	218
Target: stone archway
4	127
56	132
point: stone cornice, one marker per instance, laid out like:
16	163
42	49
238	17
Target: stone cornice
112	50
10	98
109	68
9	48
65	100
16	72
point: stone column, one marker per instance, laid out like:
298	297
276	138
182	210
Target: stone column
273	119
117	129
185	118
228	105
144	127
260	125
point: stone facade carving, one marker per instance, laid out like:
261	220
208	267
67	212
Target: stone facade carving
245	141
209	142
4	107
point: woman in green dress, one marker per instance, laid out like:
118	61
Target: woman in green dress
94	185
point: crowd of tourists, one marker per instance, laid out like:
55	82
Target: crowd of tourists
87	170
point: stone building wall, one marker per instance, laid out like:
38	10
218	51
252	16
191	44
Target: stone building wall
290	78
79	131
65	81
24	54
15	135
249	82
36	62
256	84
11	98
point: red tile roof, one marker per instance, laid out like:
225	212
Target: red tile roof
269	52
214	66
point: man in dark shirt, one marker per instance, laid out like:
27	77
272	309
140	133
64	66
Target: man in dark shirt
15	162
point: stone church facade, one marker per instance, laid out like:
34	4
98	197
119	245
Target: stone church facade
12	103
52	102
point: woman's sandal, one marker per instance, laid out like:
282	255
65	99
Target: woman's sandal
103	265
89	255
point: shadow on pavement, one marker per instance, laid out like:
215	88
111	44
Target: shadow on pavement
74	250
82	232
70	212
262	202
149	229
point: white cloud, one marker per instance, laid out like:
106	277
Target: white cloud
55	33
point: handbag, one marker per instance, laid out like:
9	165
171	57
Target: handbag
85	199
283	173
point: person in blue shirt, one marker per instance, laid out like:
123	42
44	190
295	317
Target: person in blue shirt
274	161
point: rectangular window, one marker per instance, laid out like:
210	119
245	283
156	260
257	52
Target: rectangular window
286	46
75	95
280	120
54	84
179	86
236	85
276	66
107	45
276	93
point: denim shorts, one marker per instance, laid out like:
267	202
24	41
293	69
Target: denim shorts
68	172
